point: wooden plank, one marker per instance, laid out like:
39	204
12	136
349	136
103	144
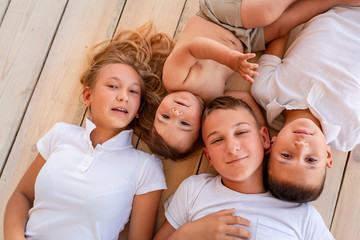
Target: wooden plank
164	14
190	9
25	37
3	6
347	218
56	97
326	203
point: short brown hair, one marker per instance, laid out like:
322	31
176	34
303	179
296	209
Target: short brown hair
145	51
288	191
227	102
160	147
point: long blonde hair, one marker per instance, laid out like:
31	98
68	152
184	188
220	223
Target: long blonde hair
145	51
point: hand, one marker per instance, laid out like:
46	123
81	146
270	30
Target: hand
239	63
216	226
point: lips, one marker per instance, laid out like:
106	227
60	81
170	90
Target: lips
303	132
181	102
237	160
119	109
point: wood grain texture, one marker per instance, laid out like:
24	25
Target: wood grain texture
56	96
347	218
26	36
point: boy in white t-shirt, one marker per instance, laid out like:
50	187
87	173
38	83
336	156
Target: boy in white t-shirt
311	95
236	149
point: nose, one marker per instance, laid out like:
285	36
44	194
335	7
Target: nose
233	147
123	96
176	113
301	144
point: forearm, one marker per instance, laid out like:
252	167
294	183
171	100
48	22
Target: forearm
296	14
16	216
143	215
277	46
208	49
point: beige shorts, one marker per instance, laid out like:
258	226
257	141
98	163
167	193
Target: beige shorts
226	13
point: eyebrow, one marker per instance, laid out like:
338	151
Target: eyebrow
119	80
184	129
234	126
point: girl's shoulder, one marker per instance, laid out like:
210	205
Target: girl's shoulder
61	128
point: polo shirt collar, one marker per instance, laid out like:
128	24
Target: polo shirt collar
121	140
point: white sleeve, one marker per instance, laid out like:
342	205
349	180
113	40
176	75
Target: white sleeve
151	175
261	88
316	228
177	208
47	143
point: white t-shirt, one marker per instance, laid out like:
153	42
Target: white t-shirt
87	193
271	218
320	71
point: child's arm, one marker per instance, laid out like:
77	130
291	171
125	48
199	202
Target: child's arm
16	212
143	215
277	46
185	56
246	97
297	13
214	226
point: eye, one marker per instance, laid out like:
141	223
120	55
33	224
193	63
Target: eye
165	116
311	160
134	91
240	132
112	86
185	124
216	140
285	155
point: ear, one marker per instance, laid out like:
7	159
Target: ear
86	96
329	162
265	137
207	156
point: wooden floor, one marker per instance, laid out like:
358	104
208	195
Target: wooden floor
43	49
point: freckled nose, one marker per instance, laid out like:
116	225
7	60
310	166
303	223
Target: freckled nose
176	113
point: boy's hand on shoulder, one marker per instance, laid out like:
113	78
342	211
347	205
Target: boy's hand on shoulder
239	63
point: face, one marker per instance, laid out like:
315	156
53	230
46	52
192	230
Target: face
115	98
178	118
299	154
234	145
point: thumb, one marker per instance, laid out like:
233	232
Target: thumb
225	212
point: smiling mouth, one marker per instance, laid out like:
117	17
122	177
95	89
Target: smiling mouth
120	110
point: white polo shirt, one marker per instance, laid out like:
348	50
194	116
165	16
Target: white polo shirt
87	193
321	72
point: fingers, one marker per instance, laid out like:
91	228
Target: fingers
249	77
237	220
225	212
248	56
234	232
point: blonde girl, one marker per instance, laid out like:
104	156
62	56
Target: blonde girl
85	183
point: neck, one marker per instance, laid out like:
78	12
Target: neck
99	136
252	185
291	115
